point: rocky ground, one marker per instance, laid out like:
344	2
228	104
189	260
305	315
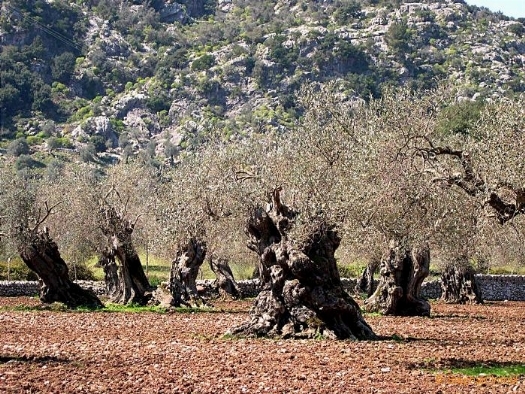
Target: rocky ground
72	352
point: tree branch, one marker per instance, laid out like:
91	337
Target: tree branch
39	220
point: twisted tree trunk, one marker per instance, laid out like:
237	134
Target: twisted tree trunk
184	270
40	253
133	285
225	282
459	285
402	272
302	295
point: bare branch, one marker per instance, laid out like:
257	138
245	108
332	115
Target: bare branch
242	175
39	220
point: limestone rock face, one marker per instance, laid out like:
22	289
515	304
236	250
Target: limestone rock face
97	125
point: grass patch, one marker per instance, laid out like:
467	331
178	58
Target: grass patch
471	368
110	308
158	270
506	270
115	308
493	370
352	270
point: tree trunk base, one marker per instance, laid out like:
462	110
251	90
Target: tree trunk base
43	257
132	286
402	272
72	295
183	275
225	282
111	276
302	295
459	285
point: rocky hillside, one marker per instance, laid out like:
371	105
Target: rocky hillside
108	79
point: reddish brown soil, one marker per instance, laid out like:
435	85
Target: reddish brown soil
66	352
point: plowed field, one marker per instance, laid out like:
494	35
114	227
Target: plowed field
43	351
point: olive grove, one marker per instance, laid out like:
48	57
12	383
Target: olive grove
387	181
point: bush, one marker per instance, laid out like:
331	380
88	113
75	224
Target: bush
18	147
34	140
27	162
80	271
99	143
88	153
459	118
63	67
159	102
16	270
203	63
517	28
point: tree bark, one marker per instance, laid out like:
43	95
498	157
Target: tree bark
302	295
111	272
366	282
459	285
402	272
40	253
133	285
184	270
225	282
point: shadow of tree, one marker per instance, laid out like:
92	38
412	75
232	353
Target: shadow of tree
32	359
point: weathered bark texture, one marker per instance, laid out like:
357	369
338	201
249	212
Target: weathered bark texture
184	270
402	272
40	253
366	282
133	285
459	285
111	276
225	282
302	295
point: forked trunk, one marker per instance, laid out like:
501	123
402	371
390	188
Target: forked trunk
42	256
366	282
184	271
402	272
133	285
302	295
459	285
225	282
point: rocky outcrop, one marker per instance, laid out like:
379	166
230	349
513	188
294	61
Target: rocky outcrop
96	125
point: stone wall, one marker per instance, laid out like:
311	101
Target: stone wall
493	287
502	287
32	288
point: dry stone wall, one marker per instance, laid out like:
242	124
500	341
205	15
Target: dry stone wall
493	287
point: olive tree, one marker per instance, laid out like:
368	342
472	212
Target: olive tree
485	164
26	211
103	213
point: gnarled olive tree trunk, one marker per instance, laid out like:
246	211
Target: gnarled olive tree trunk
402	272
225	282
302	295
184	270
133	285
40	253
459	285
